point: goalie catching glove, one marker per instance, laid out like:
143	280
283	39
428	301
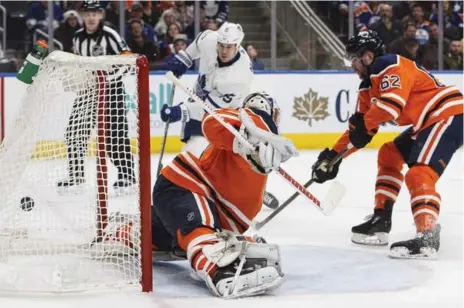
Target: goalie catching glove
271	149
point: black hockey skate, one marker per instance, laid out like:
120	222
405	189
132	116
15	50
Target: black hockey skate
376	229
423	246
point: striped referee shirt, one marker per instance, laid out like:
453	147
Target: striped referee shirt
103	42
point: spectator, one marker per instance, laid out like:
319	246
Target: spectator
216	10
401	9
72	22
412	49
136	13
417	17
183	14
387	28
430	51
452	18
112	14
453	58
164	5
166	19
253	54
150	14
180	42
174	29
139	44
398	46
37	16
365	14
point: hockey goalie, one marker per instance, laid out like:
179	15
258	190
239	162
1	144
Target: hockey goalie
202	206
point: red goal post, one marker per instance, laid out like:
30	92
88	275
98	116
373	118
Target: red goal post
61	243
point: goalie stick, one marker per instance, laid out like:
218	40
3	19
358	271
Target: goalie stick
335	194
326	210
165	135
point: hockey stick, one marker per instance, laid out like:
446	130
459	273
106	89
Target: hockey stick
287	177
165	135
335	194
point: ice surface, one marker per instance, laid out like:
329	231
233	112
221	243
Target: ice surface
323	268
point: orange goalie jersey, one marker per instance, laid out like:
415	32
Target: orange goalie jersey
402	91
221	175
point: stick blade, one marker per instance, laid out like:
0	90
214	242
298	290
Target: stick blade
335	194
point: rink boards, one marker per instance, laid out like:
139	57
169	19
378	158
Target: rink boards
315	106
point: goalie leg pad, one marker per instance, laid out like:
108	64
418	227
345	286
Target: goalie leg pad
242	268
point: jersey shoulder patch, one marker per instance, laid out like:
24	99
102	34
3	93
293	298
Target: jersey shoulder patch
383	62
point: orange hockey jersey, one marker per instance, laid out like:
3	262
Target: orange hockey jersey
221	175
402	91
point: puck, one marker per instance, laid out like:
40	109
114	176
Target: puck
27	204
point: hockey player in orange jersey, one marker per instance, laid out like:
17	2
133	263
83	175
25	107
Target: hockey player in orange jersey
399	91
202	206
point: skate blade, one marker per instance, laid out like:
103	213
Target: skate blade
265	288
378	239
426	253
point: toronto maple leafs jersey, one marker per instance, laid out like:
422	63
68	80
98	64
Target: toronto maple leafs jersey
223	85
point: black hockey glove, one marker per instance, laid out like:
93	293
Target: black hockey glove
359	136
320	172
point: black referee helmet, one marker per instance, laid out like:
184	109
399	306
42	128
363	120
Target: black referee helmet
91	5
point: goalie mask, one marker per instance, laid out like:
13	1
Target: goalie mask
266	107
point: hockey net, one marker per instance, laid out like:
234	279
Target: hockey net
56	238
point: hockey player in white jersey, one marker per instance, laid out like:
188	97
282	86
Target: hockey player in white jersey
224	80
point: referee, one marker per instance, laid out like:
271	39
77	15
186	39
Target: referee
95	39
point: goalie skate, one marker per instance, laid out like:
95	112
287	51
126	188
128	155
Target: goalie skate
241	268
264	281
247	276
424	246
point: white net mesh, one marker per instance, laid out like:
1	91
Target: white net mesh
75	107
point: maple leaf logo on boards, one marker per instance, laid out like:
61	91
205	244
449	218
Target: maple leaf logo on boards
309	107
